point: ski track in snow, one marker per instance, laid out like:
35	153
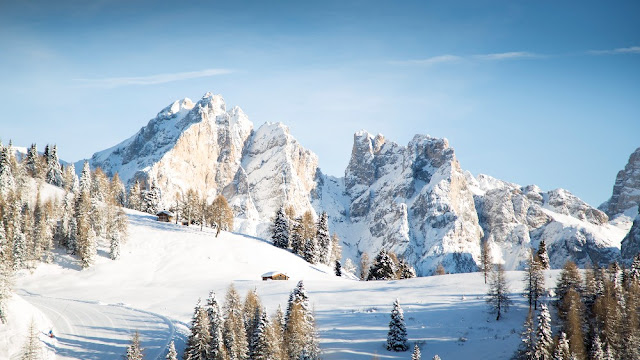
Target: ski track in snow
95	331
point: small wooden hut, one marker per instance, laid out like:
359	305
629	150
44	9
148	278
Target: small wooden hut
275	275
165	216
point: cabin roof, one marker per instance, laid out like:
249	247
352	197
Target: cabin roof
272	273
164	212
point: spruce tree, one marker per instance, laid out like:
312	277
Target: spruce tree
405	271
266	346
397	335
337	268
383	267
498	291
172	354
85	179
7	180
416	353
134	200
234	333
543	257
569	279
280	230
526	350
32	349
198	343
596	348
311	251
31	161
544	340
323	239
54	170
534	281
252	311
20	254
562	351
297	241
300	334
134	351
216	324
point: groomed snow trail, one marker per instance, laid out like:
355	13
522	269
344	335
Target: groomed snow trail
94	331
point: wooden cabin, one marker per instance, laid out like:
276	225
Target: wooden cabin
165	216
274	275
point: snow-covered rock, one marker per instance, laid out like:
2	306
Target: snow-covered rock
626	190
630	246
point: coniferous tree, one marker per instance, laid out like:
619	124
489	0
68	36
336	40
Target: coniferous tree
382	268
7	180
405	271
172	354
85	179
543	256
498	291
19	250
544	339
54	170
252	311
280	230
397	335
32	349
71	181
311	253
364	266
596	348
440	270
349	267
562	351
486	261
336	249
534	281
300	335
323	239
135	197
151	199
266	346
569	279
416	353
526	350
221	215
573	325
631	323
234	333
117	191
134	351
216	326
337	268
198	343
31	161
296	236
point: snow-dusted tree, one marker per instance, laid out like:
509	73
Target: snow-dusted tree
296	236
85	179
634	271
300	334
198	343
117	191
544	339
311	253
498	291
337	268
543	256
221	214
405	271
216	323
336	249
596	348
234	333
85	235
280	230
364	266
71	181
134	350
397	335
54	170
251	312
631	323
416	355
486	261
32	350
349	267
20	254
265	340
134	200
151	199
323	239
562	351
526	349
569	279
573	324
172	354
7	180
382	268
308	226
534	281
31	161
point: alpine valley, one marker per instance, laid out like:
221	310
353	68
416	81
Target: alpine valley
412	199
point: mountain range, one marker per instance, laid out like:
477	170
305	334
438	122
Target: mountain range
412	199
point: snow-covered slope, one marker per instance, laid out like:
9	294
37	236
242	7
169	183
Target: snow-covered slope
165	268
414	200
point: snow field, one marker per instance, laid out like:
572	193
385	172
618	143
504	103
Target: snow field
165	268
14	334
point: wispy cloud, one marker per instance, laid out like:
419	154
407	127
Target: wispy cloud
448	58
506	56
626	50
114	82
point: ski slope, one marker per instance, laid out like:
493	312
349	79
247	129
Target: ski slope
165	268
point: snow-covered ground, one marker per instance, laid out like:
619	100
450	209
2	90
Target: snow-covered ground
165	268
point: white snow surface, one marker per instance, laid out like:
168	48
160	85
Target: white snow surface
166	267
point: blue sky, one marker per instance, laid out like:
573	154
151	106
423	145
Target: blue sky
530	92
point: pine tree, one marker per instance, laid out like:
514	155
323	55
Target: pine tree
216	324
252	311
31	161
596	348
337	268
234	333
265	343
336	249
534	281
134	351
526	350
631	323
486	262
544	340
543	257
172	354
405	271
383	267
85	179
297	241
416	353
7	180
71	181
311	251
280	230
134	200
151	199
32	349
300	335
117	191
54	170
397	335
562	351
198	343
323	239
498	291
19	251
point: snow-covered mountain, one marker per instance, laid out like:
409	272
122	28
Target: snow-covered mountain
626	190
414	200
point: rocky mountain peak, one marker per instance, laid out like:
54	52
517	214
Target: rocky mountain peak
626	190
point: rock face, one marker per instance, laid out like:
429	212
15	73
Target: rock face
631	243
626	190
414	200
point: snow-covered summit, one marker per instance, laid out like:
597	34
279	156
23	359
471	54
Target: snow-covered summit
626	190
